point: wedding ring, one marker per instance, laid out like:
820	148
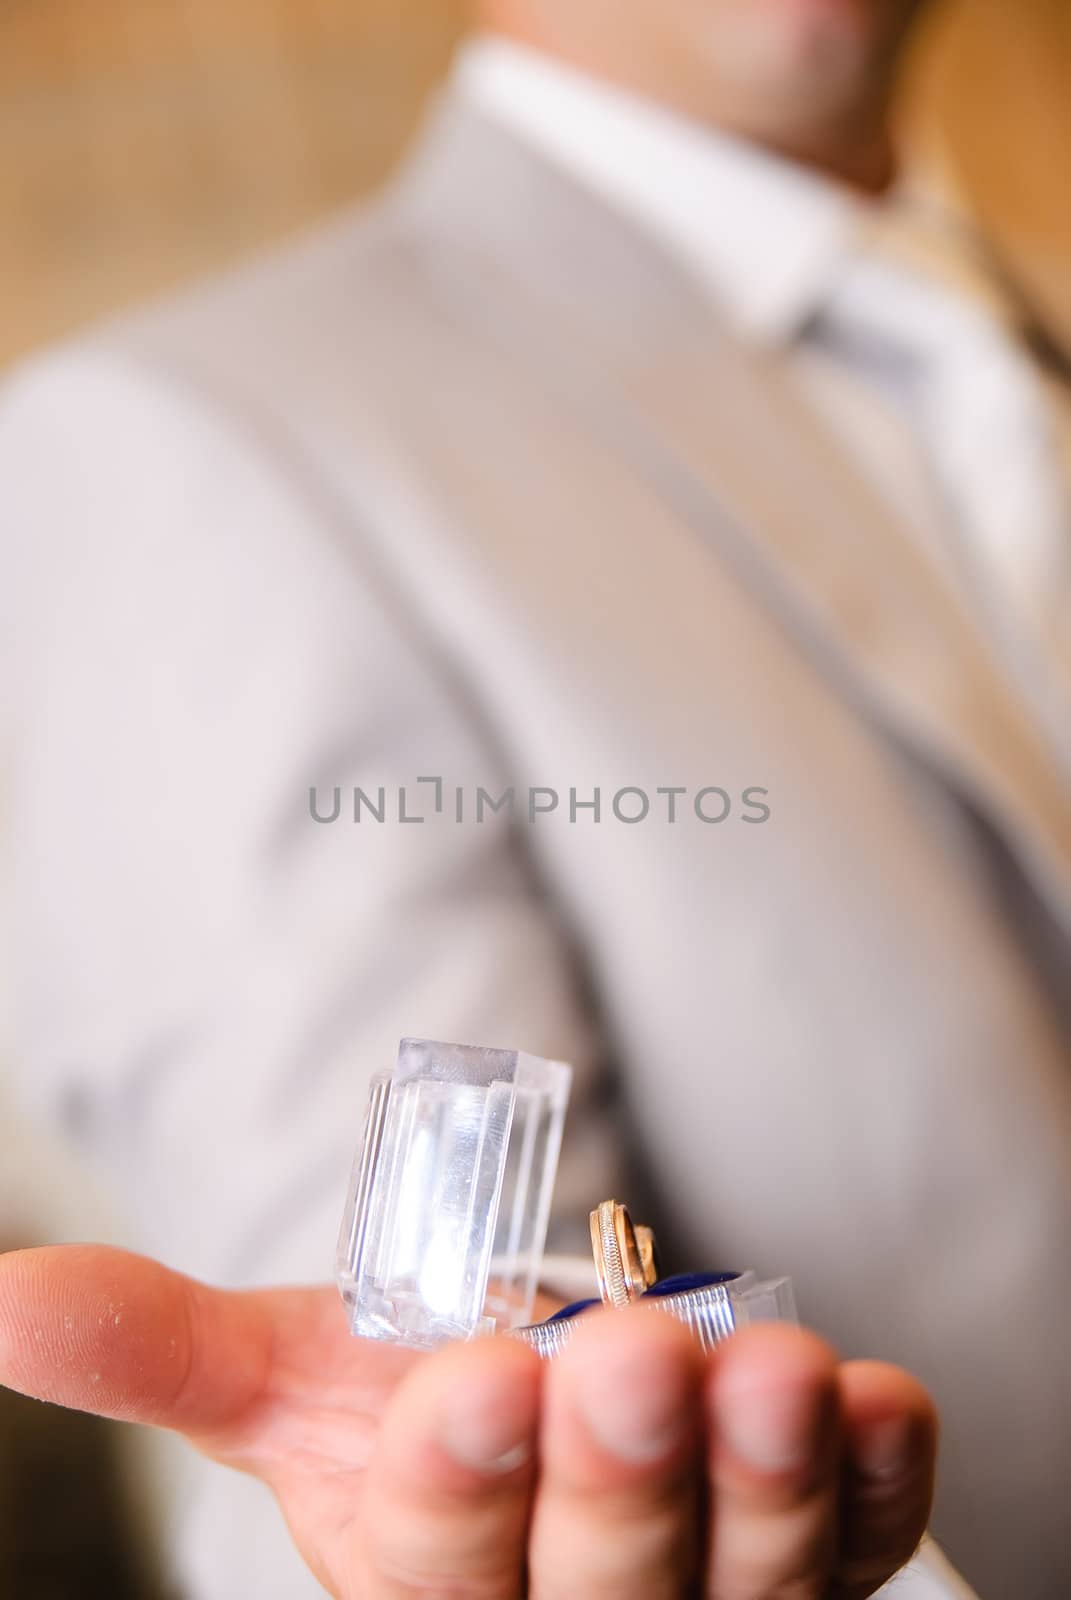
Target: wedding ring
624	1254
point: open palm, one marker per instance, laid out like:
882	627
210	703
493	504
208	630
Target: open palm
633	1466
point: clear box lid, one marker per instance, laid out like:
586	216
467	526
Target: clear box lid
446	1218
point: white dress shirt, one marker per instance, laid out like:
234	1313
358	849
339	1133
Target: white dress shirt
766	237
776	245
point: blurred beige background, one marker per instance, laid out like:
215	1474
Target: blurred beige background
145	141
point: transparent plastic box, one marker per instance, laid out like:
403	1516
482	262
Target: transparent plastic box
712	1311
446	1218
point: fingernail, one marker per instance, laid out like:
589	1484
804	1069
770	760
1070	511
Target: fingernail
483	1433
884	1449
769	1430
636	1411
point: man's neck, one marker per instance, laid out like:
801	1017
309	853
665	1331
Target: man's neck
866	161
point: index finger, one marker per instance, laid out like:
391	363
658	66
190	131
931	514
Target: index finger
446	1501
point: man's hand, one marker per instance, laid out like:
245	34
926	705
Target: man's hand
631	1468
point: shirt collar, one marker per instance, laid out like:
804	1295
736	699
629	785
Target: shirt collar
764	236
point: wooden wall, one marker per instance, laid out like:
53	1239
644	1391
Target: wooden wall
144	141
992	81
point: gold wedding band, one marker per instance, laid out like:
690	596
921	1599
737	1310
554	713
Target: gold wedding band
624	1254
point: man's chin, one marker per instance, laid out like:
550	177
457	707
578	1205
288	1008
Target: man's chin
811	57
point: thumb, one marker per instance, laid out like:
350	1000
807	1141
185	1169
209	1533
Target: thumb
101	1330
